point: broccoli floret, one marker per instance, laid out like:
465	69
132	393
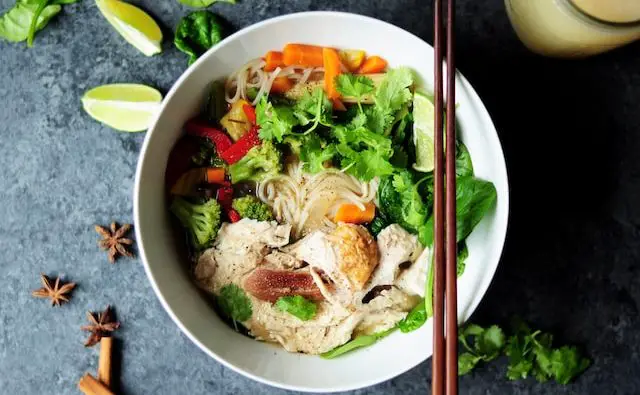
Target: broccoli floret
252	208
261	161
201	220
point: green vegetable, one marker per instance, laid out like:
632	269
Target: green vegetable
203	3
359	342
27	17
207	155
234	303
297	306
474	198
530	353
314	108
415	319
196	33
314	152
401	202
487	345
216	106
365	154
464	166
202	221
463	254
275	121
355	86
251	207
392	95
379	222
261	161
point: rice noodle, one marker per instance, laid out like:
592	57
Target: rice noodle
310	201
252	75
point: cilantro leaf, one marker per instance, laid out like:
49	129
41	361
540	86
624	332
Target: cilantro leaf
391	96
566	363
355	86
490	343
364	165
275	122
297	306
466	363
234	303
315	152
314	108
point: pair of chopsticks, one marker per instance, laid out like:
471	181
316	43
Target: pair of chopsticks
445	335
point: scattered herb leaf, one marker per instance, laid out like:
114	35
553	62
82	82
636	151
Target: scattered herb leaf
297	306
196	33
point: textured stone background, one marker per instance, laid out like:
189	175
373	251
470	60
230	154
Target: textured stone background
571	133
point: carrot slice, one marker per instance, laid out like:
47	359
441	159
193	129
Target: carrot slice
215	175
281	85
302	55
373	64
338	105
274	60
352	214
332	68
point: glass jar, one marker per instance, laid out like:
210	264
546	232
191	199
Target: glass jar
574	28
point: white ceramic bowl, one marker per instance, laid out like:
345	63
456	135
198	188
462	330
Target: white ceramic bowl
166	269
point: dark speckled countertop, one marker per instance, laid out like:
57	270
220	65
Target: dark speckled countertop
571	136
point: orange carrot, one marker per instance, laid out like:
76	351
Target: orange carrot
338	105
302	55
332	68
274	60
352	214
215	175
281	85
373	64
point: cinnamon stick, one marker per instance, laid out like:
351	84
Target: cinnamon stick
104	363
89	385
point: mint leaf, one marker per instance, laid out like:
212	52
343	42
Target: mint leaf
297	306
234	303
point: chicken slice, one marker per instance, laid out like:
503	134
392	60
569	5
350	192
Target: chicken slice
414	279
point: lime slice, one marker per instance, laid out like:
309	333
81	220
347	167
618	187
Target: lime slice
124	107
423	120
135	25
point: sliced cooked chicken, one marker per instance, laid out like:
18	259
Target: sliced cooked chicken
357	253
413	280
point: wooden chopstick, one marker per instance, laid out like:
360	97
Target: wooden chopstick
438	359
445	352
451	302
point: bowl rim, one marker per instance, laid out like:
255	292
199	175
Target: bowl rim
482	289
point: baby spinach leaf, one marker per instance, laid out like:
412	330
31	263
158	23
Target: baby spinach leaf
359	342
464	166
463	254
203	3
197	32
297	306
27	17
415	319
234	303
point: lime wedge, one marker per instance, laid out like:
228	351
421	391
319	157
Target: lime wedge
423	120
124	107
135	25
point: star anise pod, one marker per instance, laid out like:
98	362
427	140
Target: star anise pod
100	326
114	241
56	293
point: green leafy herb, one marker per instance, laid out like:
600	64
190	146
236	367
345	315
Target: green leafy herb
464	166
463	254
355	86
203	3
474	198
275	121
379	222
27	17
234	303
530	353
196	33
401	202
487	346
314	108
359	342
297	306
364	154
415	319
314	152
391	96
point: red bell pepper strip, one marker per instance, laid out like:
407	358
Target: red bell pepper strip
250	112
218	138
240	148
233	216
225	196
